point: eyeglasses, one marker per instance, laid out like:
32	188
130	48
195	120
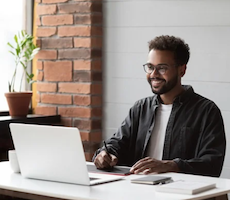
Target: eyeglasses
161	69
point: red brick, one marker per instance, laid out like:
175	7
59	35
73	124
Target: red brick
54	1
96	53
40	75
38	98
96	31
82	19
88	42
46	110
46	9
75	112
90	19
91	136
47	54
96	7
82	64
77	88
45	31
87	124
96	89
96	100
56	99
58	71
64	31
66	121
38	42
82	100
51	43
82	42
82	76
87	76
40	65
96	112
96	76
96	42
82	7
46	87
86	100
57	20
97	65
74	54
38	21
96	18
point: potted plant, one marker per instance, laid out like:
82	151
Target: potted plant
23	51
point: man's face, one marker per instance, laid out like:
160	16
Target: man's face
161	84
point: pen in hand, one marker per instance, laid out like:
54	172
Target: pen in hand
106	149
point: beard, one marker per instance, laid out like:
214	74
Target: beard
166	87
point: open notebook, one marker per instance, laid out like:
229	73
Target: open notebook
53	153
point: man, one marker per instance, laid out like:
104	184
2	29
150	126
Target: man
175	130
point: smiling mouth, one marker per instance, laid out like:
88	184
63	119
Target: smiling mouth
156	82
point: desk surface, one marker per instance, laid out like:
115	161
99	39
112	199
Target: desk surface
119	190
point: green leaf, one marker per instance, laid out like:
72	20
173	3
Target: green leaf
16	39
12	53
24	52
10	45
23	33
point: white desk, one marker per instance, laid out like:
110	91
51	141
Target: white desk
14	184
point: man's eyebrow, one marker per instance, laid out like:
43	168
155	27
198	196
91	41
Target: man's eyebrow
157	64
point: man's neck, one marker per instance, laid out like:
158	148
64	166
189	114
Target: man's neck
170	96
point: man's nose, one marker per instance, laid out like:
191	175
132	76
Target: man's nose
154	73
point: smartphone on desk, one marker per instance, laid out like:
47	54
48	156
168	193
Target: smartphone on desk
153	180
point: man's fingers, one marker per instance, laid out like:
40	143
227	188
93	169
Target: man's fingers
140	165
113	161
145	166
103	160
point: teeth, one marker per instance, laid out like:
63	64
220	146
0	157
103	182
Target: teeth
156	81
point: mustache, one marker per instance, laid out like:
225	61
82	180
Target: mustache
157	79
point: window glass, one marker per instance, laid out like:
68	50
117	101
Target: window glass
12	20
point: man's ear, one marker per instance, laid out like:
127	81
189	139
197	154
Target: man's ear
183	70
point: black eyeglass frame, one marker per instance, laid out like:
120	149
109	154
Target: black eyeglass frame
161	68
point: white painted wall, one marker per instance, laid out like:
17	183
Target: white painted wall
130	24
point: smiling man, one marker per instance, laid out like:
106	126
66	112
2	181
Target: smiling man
176	129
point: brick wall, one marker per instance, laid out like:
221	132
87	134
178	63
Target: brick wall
69	78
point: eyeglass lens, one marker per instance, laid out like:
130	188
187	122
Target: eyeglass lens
150	68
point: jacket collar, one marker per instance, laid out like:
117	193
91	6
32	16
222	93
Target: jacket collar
188	91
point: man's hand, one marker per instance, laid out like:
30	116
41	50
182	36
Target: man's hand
150	165
103	160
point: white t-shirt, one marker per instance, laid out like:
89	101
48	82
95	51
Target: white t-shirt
156	143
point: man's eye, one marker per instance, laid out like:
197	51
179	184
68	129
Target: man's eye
163	67
150	66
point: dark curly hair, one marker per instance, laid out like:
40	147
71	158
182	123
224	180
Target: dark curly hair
173	44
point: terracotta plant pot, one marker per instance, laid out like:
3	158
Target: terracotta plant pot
18	103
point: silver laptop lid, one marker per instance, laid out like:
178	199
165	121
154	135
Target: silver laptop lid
50	153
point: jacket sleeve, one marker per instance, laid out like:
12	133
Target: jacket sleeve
211	153
121	141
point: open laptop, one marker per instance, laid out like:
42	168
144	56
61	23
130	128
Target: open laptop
53	153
